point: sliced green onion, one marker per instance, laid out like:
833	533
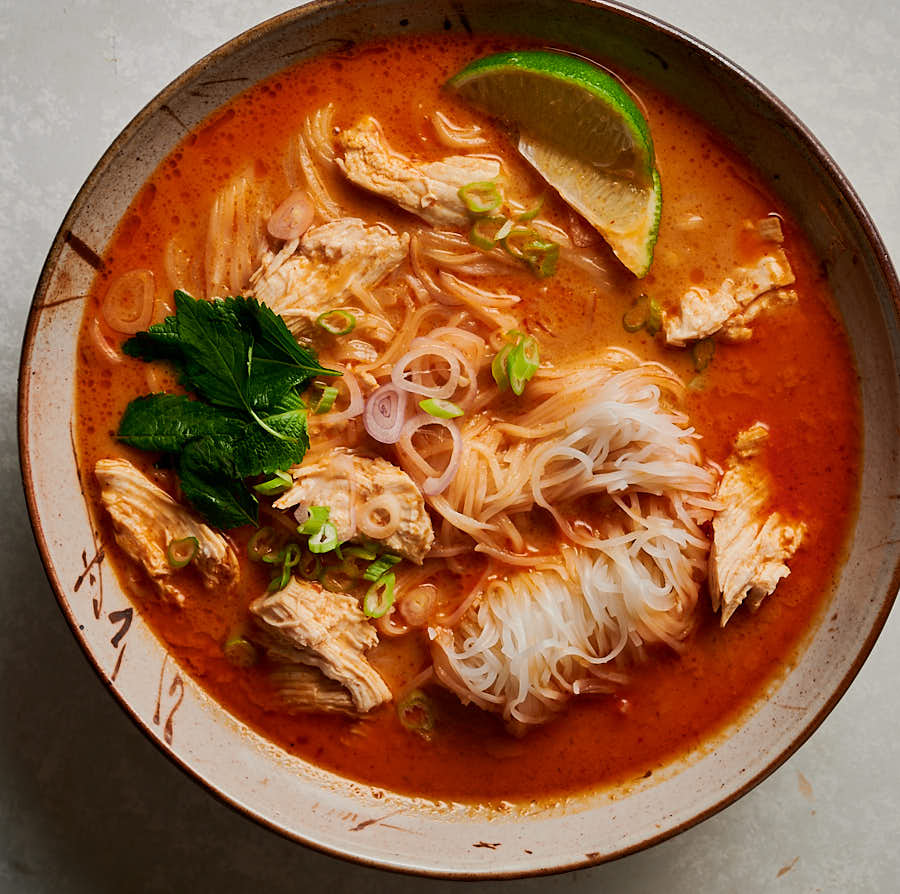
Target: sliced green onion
335	582
654	317
360	552
261	544
481	197
635	318
350	568
702	352
416	713
277	485
541	257
533	213
443	409
324	540
326	401
484	232
182	552
380	566
279	581
292	555
344	324
309	567
504	231
498	367
517	239
239	651
274	557
379	597
318	515
522	364
516	362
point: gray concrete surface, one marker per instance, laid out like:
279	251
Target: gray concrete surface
86	804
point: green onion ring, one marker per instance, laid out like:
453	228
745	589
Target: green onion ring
481	197
349	322
182	552
379	597
440	408
324	540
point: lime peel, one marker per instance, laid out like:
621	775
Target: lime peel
580	130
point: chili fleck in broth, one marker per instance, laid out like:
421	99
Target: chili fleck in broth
536	487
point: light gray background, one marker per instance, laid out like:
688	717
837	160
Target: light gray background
86	803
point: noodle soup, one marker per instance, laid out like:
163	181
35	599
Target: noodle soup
549	625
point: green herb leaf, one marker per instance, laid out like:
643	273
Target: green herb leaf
159	342
208	482
167	422
215	351
259	453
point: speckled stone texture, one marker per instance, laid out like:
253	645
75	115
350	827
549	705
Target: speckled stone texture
86	804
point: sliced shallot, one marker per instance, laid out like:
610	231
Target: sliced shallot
356	405
385	413
424	348
128	305
437	483
291	219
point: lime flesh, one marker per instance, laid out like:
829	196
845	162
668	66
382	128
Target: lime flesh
583	133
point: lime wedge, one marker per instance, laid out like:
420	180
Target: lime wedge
584	134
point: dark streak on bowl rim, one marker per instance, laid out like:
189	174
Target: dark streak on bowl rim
805	137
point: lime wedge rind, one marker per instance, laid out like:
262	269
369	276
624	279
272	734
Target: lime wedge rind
582	131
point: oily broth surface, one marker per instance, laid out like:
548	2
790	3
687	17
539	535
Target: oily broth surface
796	375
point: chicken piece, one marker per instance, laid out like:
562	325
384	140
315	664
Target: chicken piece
303	688
751	440
749	548
367	497
331	262
324	630
428	189
146	520
703	313
736	328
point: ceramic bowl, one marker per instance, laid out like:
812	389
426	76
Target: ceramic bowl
353	820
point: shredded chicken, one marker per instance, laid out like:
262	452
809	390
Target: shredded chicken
367	497
751	441
428	189
737	329
327	266
303	688
146	520
702	313
750	548
327	630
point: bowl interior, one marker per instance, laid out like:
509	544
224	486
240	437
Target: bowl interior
354	820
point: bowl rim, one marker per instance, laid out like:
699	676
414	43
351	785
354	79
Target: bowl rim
64	235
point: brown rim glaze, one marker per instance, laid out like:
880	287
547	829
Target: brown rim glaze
64	235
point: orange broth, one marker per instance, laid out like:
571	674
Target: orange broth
796	374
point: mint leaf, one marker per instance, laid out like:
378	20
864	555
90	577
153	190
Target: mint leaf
246	369
167	422
271	381
159	342
259	453
215	351
205	482
273	338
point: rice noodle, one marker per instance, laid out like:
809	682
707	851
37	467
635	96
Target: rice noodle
302	170
456	136
235	237
522	648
